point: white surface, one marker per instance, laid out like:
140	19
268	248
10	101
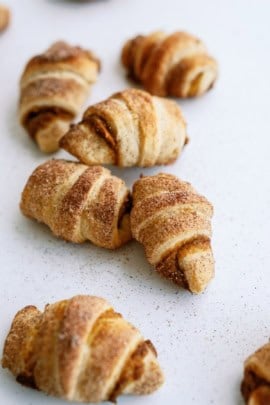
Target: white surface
201	340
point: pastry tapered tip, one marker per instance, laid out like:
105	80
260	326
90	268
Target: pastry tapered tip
83	142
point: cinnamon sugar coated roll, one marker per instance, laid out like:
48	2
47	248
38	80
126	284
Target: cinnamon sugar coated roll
175	65
130	128
54	86
79	203
256	382
80	350
173	222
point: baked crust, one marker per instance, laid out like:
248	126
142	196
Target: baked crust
53	88
173	222
81	350
175	65
255	386
131	128
261	396
79	203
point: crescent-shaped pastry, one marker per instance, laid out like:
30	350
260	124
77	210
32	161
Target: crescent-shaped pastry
79	203
54	87
80	350
173	222
175	65
131	128
256	382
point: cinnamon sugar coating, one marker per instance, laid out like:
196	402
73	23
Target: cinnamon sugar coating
79	203
175	65
173	222
130	128
54	86
80	350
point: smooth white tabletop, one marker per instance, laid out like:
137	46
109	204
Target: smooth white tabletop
202	340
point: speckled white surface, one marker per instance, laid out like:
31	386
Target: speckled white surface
201	340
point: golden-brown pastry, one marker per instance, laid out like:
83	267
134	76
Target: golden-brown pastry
173	222
4	17
79	203
131	128
54	86
80	350
256	383
170	65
